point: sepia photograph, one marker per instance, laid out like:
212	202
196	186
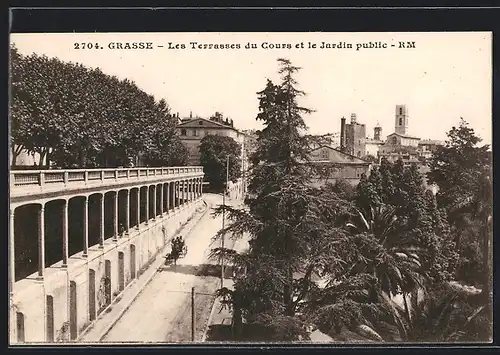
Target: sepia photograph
234	187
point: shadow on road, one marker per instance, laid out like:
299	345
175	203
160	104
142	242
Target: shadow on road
199	270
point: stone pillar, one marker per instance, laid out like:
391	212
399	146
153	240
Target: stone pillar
183	191
138	212
65	234
115	217
41	241
12	252
162	188
154	201
177	190
85	227
147	204
191	190
127	213
168	197
102	223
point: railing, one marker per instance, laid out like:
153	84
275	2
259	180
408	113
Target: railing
30	178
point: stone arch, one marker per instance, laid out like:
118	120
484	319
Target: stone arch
26	240
143	203
94	219
159	199
151	201
75	224
134	207
123	210
109	201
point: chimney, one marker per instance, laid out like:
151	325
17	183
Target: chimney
190	114
342	133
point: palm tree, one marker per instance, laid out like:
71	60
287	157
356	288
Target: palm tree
390	257
441	315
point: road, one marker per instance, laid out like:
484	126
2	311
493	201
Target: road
162	312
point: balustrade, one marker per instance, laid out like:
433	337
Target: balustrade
74	177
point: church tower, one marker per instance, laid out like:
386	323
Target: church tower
377	132
401	125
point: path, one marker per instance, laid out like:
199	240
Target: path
162	312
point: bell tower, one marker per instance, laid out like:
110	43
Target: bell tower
401	124
377	132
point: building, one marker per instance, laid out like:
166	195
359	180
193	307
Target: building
353	137
401	145
338	165
428	146
191	131
78	238
372	145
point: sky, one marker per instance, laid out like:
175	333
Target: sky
447	75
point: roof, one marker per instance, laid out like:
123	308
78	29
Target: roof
373	141
352	159
431	142
214	124
402	135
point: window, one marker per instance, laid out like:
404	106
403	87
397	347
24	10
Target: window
400	110
195	132
183	132
200	123
400	121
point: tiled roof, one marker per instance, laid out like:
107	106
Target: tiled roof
403	135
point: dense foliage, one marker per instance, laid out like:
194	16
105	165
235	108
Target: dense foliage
80	117
379	259
462	171
214	152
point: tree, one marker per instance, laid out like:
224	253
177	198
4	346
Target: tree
438	315
80	117
214	152
294	231
462	171
420	223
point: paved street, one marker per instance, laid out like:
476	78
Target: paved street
162	312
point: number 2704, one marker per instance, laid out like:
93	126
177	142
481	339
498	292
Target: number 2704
84	45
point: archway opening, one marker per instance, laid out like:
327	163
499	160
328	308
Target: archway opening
26	227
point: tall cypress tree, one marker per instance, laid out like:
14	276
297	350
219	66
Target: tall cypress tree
291	225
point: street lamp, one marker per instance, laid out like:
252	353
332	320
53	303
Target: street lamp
223	218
